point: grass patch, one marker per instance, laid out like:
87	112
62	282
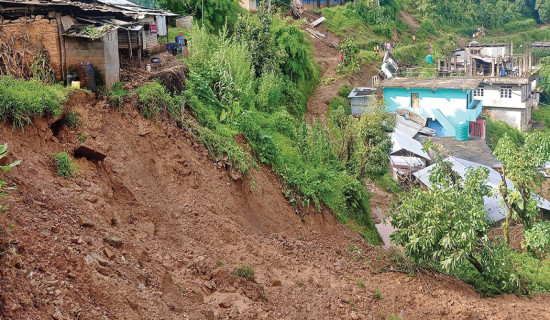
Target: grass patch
495	129
542	115
387	183
155	100
118	93
377	294
245	272
344	91
22	100
72	119
64	165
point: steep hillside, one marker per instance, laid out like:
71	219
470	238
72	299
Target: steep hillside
156	230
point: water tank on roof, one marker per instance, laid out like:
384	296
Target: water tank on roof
462	131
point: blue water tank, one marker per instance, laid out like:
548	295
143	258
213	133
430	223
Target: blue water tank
462	131
429	59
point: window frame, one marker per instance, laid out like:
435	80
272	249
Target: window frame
505	92
479	91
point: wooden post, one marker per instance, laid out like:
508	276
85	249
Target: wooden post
530	59
456	66
140	47
492	67
61	46
129	44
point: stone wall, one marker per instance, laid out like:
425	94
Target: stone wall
43	33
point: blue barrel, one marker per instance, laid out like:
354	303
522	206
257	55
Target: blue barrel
462	131
180	40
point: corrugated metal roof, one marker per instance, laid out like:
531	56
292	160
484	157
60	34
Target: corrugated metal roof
406	161
494	206
361	92
432	83
402	141
89	31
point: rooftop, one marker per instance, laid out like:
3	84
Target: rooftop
431	83
506	80
493	205
473	149
361	92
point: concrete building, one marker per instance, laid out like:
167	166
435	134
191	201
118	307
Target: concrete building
445	103
509	99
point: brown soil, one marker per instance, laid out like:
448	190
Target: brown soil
328	59
409	20
184	225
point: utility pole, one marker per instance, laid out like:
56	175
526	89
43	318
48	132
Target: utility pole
269	7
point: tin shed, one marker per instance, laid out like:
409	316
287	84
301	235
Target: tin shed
360	98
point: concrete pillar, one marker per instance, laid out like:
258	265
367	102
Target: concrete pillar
492	67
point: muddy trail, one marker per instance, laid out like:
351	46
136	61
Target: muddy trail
156	230
328	59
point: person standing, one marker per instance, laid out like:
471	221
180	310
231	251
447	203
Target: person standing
414	39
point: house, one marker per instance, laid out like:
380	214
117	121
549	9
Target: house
68	33
494	206
389	66
360	98
446	103
250	5
406	155
509	99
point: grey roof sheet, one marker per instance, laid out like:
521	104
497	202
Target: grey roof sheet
494	207
402	141
431	83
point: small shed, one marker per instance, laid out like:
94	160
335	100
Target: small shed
98	45
361	98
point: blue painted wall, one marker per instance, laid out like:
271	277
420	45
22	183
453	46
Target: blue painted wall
454	104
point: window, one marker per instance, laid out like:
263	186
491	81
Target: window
414	100
478	92
506	91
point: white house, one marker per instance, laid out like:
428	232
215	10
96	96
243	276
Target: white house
509	99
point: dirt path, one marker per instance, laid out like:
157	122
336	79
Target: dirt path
328	59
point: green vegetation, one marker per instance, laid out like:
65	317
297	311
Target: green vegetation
361	284
542	115
344	91
255	82
117	94
6	227
22	100
377	294
64	165
72	119
496	129
245	272
521	163
82	137
155	101
350	62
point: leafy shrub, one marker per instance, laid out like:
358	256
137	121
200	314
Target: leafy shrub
5	226
155	100
521	25
536	272
21	100
270	93
339	102
72	119
64	165
245	272
537	237
344	91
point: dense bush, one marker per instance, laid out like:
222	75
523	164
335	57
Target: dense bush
245	272
72	119
22	100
